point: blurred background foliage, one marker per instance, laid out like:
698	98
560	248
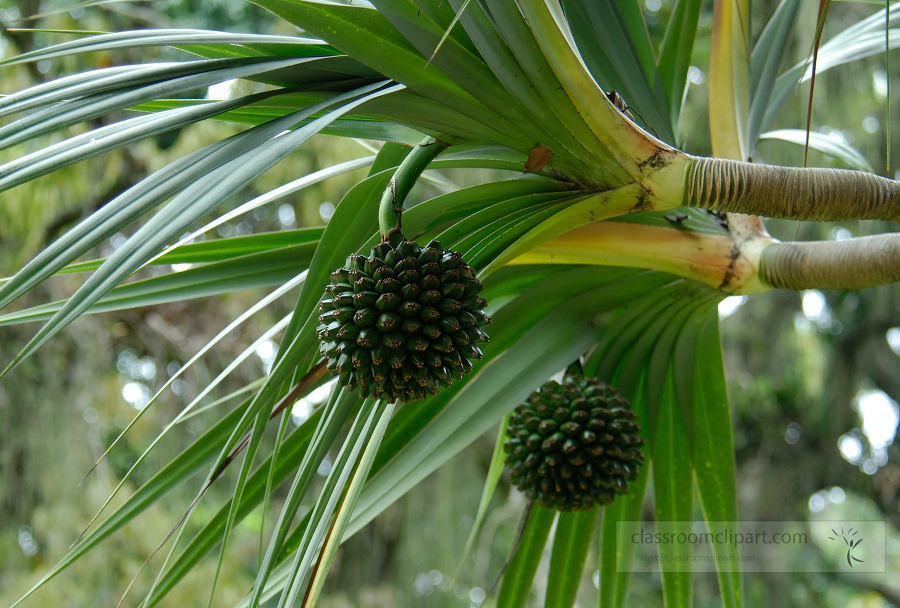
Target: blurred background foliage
813	377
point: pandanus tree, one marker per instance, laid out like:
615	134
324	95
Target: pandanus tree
609	247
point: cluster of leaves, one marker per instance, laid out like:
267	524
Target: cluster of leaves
500	87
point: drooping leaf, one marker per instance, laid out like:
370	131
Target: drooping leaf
335	414
571	542
729	87
835	148
860	40
266	269
765	61
675	56
613	41
519	576
191	205
511	25
220	249
672	485
72	107
490	484
367	34
370	443
503	63
469	73
713	451
301	47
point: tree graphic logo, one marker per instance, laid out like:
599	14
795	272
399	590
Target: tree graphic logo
850	542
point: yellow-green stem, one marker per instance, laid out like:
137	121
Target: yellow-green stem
719	261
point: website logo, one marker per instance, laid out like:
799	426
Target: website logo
851	542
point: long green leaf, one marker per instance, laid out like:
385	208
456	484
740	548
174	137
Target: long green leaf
765	61
189	206
342	517
495	468
334	491
838	149
365	33
218	250
672	484
125	208
66	113
494	245
613	41
519	576
432	217
675	55
714	453
511	24
199	252
266	269
179	37
468	72
685	361
629	325
506	68
444	14
571	542
273	195
660	360
93	82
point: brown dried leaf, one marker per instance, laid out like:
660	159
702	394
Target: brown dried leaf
538	158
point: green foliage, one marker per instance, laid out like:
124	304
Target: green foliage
519	575
499	99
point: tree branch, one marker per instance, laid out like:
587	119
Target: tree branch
851	264
825	195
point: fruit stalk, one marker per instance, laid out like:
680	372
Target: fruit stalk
391	209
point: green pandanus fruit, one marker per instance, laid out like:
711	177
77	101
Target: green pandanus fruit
402	322
573	445
405	321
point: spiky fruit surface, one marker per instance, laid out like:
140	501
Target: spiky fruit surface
402	322
573	445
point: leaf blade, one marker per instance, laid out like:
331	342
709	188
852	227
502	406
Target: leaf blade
571	542
519	577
